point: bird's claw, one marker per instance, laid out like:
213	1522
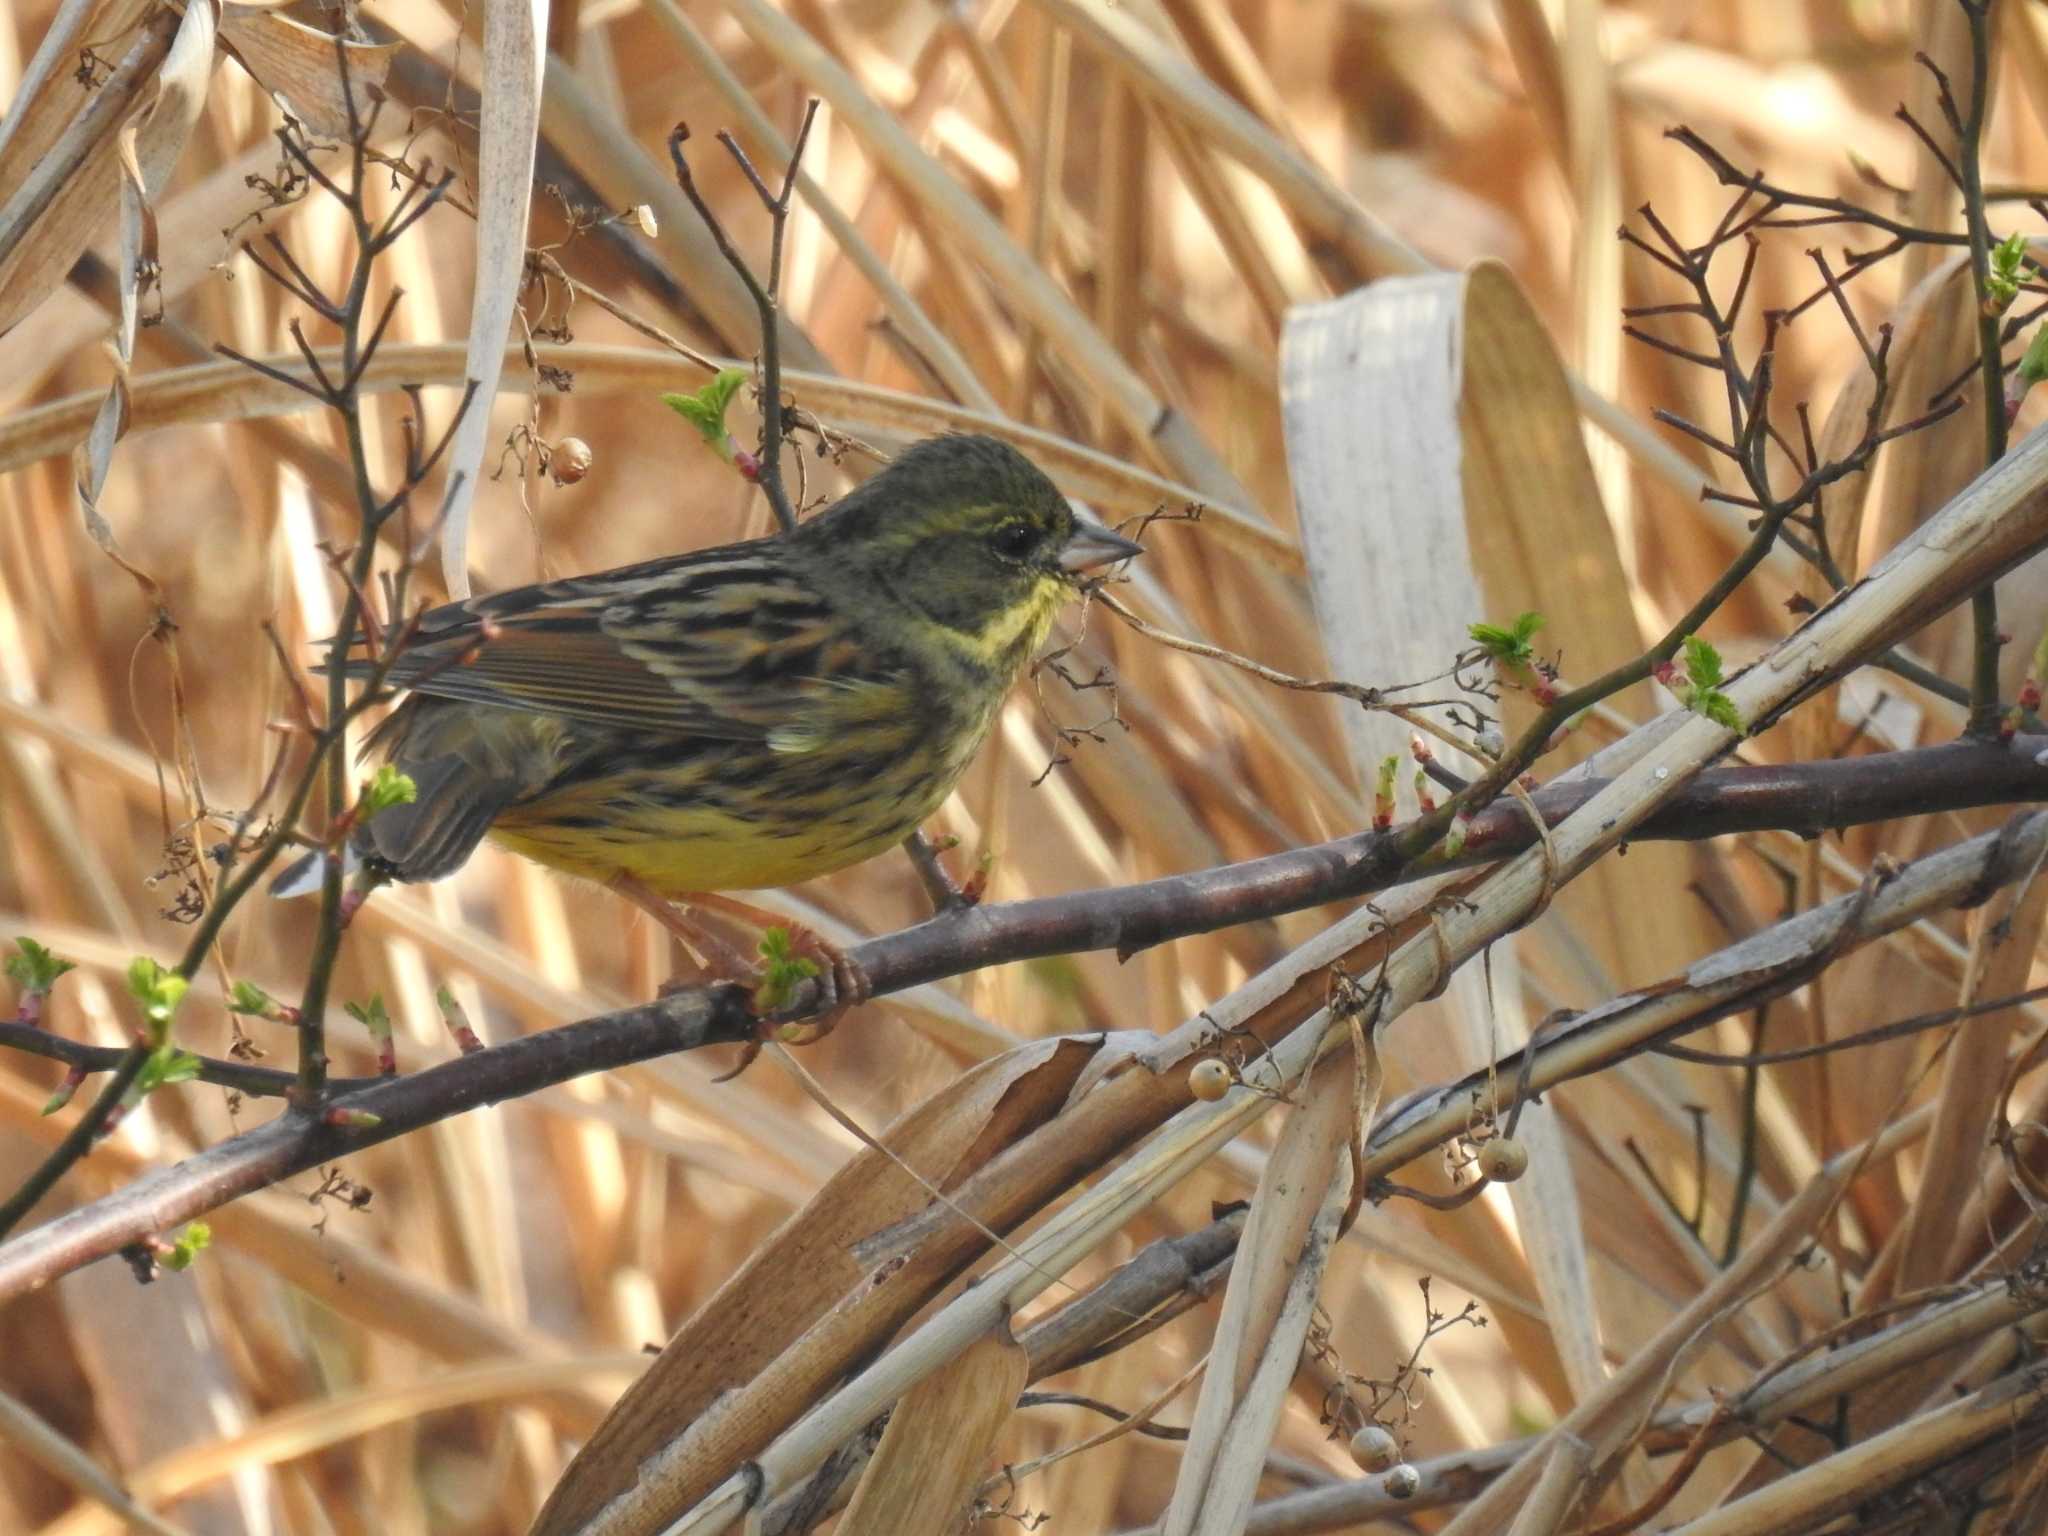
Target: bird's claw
836	987
807	1006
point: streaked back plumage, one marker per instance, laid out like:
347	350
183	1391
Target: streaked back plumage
749	715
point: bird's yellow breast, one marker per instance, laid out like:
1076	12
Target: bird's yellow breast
682	831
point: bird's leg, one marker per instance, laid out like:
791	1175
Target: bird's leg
724	958
842	984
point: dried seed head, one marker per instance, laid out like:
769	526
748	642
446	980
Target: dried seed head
1374	1448
1504	1159
570	461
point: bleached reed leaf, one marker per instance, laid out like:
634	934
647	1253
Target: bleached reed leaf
227	391
1301	1200
45	100
144	154
1456	399
1429	428
67	194
802	1308
297	64
515	46
1172	435
939	1440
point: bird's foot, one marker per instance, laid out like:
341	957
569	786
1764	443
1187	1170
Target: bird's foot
807	984
803	985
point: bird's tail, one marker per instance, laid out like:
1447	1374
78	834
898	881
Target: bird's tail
430	836
435	833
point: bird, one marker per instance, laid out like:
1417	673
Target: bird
742	717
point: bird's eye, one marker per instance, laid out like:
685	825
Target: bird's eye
1015	540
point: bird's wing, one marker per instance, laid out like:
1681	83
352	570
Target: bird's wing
725	651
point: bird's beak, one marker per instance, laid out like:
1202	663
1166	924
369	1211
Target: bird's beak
1093	545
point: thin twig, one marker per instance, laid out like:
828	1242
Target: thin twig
765	295
1968	173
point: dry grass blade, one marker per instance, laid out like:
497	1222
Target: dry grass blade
2005	1408
1035	1264
307	68
2004	937
939	1440
38	113
515	39
306	1430
1611	1418
356	1282
1170	435
931	344
222	392
1302	1198
65	197
1439	473
672	1424
37	1440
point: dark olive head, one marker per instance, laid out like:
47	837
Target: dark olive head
971	533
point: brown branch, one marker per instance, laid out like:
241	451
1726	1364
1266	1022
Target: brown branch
1125	919
241	1076
1919	1024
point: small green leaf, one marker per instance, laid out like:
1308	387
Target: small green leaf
387	788
247	997
2008	265
33	968
1509	645
74	1079
162	1067
190	1243
783	970
1718	707
456	1018
158	990
1699	690
705	409
371	1015
2034	361
1702	663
